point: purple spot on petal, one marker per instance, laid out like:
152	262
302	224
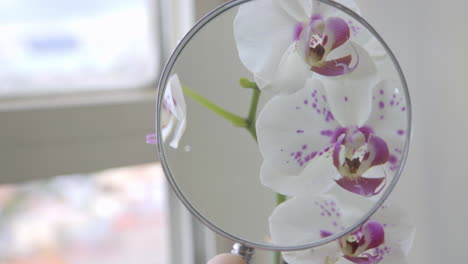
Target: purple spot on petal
403	109
400	132
329	116
381	105
299	131
327	133
325	233
314	105
346	98
313	154
381	117
381	91
306	102
392	159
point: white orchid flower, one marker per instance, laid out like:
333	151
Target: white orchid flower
350	133
284	41
173	114
385	238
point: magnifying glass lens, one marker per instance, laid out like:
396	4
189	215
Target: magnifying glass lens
283	125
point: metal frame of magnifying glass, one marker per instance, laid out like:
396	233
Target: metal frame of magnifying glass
162	84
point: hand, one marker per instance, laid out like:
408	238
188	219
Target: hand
226	258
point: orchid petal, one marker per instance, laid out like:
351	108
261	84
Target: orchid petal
376	151
352	91
166	128
294	129
335	67
336	33
379	151
291	73
315	178
392	256
173	112
330	252
151	139
174	98
299	220
365	260
297	9
363	65
362	186
262	44
302	219
179	131
327	10
375	48
374	235
388	120
399	233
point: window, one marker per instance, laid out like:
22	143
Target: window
52	46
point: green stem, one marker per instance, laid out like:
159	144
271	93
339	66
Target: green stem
279	200
233	118
277	257
251	119
248	123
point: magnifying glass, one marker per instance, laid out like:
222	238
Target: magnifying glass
283	125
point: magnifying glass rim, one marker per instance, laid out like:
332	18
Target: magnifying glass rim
162	86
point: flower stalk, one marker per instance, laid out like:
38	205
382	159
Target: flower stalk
233	118
248	123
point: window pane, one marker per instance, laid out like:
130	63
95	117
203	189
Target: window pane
116	216
55	46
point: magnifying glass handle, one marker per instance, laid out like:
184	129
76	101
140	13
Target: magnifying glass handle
245	252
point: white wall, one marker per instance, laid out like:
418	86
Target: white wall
430	41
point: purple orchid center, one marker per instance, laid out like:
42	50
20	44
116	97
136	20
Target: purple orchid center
320	37
355	246
356	150
369	236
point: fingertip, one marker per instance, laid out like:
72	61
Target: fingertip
226	258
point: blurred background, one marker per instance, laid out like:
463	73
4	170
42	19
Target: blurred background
77	97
